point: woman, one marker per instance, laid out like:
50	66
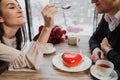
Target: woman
11	37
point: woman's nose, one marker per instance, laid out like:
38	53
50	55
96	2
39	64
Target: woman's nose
19	9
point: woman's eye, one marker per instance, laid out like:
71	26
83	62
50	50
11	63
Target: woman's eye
12	7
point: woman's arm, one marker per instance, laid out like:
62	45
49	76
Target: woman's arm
23	59
48	14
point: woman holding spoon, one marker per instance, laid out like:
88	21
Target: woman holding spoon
11	37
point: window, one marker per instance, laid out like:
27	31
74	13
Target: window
78	19
26	27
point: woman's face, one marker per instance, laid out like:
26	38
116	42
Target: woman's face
105	6
11	13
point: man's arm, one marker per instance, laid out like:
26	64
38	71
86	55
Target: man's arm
96	39
98	35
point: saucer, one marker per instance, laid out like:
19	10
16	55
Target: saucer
49	48
53	50
112	76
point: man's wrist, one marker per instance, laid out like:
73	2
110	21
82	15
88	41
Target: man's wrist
107	50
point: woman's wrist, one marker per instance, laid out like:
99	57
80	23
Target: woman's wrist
47	28
44	36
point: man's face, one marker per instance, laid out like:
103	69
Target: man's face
104	6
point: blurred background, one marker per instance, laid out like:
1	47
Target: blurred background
79	19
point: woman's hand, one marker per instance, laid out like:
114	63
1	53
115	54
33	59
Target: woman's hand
48	14
97	54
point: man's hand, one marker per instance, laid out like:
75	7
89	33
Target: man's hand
97	54
105	46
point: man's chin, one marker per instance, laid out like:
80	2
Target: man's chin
100	12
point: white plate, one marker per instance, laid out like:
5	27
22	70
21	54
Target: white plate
57	62
51	51
113	75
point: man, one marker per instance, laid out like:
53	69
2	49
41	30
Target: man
108	27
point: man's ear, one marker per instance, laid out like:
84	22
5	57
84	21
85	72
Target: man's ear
1	19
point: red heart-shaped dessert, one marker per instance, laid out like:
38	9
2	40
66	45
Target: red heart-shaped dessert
71	59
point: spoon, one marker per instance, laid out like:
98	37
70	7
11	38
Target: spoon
63	7
66	7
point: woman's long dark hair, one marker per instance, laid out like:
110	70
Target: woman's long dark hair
20	38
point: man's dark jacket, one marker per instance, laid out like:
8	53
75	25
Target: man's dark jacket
113	38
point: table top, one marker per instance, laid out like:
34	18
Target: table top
48	71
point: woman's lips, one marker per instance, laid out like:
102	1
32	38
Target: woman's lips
20	16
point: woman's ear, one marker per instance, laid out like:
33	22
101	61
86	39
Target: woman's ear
1	19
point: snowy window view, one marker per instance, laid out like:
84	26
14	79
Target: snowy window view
23	6
77	19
